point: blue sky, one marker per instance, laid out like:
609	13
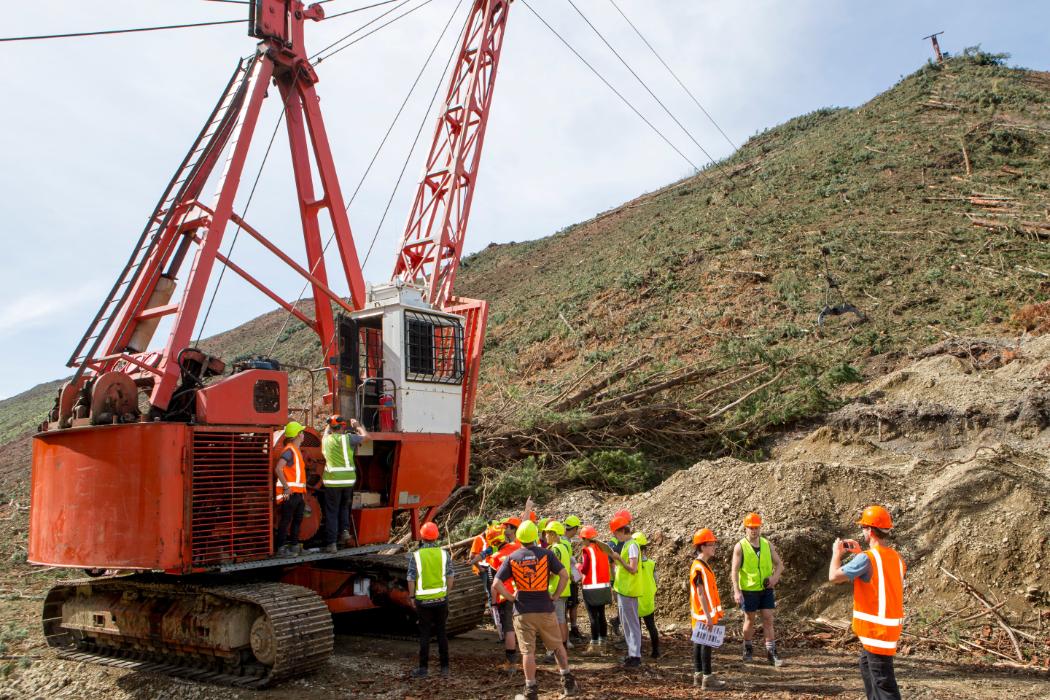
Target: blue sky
93	128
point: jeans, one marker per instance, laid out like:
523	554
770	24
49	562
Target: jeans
599	626
702	659
336	511
432	618
879	681
631	624
290	519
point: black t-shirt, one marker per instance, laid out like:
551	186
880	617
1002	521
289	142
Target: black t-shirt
531	568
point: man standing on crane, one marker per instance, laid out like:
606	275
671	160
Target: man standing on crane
291	491
430	578
339	478
756	571
878	600
531	568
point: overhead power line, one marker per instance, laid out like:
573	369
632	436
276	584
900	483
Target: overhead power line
675	76
610	86
121	31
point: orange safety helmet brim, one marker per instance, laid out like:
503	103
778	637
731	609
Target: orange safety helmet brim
876	516
618	522
752	520
588	533
703	536
429	532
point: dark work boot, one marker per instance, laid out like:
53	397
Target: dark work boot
749	652
568	685
420	672
532	692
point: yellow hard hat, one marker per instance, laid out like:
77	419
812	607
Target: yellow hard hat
555	527
527	533
640	538
293	429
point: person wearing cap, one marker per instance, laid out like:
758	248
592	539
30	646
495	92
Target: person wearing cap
756	571
563	550
531	568
291	491
628	585
877	574
430	578
597	587
339	477
572	530
647	600
705	605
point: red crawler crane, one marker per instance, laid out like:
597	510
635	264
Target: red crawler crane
159	462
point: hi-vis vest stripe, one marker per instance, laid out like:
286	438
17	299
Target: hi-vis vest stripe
878	605
430	584
596	575
335	473
710	587
294	474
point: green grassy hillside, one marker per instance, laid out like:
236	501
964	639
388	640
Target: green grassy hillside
684	323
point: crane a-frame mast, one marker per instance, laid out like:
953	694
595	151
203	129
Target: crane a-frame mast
432	242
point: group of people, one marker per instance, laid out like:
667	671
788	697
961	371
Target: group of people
535	577
536	572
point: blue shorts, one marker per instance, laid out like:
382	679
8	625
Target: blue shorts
759	600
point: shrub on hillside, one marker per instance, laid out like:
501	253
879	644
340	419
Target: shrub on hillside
513	486
613	470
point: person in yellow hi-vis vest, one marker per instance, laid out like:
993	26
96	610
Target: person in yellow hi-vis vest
430	578
756	571
647	600
340	474
561	548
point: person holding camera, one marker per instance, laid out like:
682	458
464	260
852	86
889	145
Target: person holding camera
756	571
877	574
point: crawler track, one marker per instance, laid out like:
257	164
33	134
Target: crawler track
293	623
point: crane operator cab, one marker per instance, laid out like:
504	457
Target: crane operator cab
401	364
399	369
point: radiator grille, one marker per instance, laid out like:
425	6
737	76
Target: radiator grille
232	496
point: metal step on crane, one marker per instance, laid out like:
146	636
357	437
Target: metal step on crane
157	460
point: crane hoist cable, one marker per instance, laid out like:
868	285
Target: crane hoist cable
641	82
610	86
711	159
358	9
379	148
132	30
675	76
314	58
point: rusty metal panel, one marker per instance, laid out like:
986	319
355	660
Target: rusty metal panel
231	495
109	497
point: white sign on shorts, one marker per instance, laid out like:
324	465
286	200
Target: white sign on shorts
709	635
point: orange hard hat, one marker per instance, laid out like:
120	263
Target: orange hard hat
752	520
588	533
493	535
512	521
429	532
625	514
702	536
618	522
876	516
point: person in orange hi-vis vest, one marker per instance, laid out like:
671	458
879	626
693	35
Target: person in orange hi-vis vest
597	588
705	605
291	491
877	574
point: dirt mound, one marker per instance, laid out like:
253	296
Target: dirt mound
957	453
